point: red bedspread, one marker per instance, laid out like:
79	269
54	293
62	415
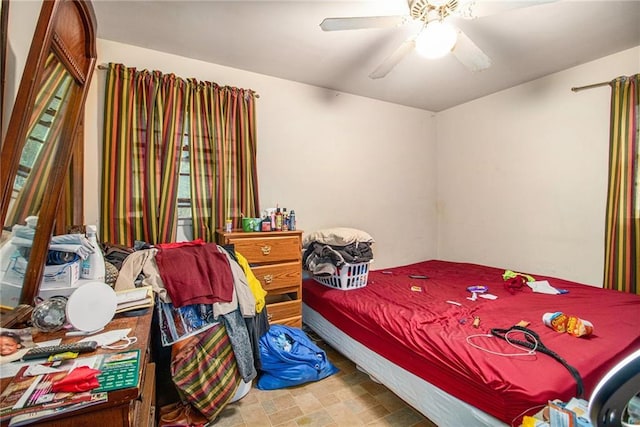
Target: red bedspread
427	336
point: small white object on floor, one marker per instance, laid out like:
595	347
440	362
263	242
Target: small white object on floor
488	296
242	391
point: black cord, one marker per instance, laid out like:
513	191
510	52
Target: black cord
533	342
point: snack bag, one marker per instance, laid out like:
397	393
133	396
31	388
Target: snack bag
572	325
578	327
556	321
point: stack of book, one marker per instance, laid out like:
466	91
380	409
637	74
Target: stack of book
134	299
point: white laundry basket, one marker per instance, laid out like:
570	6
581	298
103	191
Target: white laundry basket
347	277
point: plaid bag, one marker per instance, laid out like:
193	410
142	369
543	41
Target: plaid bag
205	373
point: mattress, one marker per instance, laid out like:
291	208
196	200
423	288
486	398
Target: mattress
439	406
426	327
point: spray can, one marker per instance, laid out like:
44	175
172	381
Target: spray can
228	225
292	220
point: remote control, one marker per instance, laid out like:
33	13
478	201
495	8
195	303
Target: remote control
44	352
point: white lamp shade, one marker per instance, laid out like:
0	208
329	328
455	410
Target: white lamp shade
436	40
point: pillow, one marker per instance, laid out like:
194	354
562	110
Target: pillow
337	236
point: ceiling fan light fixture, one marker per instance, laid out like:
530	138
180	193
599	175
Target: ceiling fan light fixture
436	40
437	3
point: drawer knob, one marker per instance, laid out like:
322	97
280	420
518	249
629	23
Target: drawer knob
268	278
266	250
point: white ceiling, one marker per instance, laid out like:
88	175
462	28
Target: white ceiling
283	39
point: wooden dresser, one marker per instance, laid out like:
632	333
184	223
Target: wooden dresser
130	407
276	260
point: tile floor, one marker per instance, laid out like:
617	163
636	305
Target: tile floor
348	398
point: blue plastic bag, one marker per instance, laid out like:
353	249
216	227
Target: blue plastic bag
290	358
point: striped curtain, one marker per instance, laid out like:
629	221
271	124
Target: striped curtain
39	152
147	115
143	127
622	233
223	158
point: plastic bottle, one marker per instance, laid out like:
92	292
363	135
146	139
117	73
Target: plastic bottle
93	267
572	325
285	220
292	220
272	217
278	220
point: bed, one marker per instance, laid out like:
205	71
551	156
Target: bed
417	336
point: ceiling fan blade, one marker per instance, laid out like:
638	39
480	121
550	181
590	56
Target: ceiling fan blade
469	54
487	8
393	59
361	22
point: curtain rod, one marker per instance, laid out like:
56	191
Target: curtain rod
104	67
591	86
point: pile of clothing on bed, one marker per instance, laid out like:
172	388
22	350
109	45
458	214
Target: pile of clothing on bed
329	249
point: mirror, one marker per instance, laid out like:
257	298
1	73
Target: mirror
41	140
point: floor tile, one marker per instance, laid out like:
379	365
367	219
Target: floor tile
346	399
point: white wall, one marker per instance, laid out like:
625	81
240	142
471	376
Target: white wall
337	159
522	174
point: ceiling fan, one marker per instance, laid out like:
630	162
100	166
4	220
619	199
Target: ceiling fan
437	36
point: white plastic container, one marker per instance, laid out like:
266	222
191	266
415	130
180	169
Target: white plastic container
349	276
93	267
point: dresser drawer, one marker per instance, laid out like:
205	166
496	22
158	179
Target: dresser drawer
264	250
284	311
279	278
276	261
294	322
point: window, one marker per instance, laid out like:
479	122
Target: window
212	174
184	183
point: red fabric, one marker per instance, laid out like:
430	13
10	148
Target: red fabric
173	245
195	274
427	336
82	378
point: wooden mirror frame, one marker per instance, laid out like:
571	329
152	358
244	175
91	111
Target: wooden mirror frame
4	24
66	28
